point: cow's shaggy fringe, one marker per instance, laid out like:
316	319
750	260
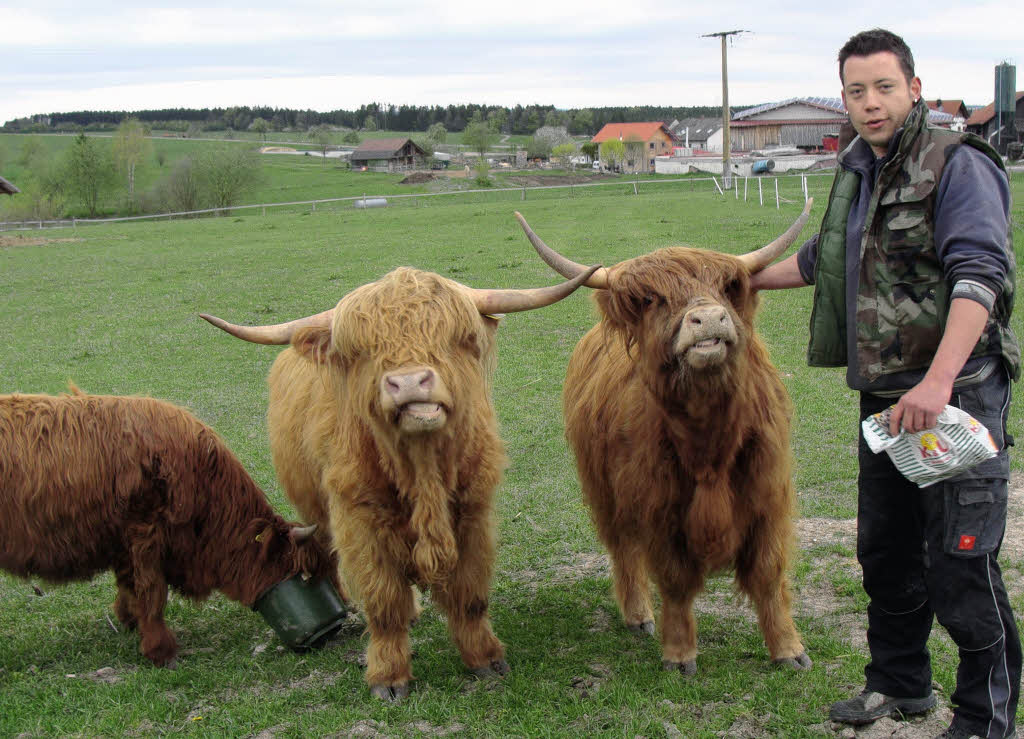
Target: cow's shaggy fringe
401	508
686	471
142	487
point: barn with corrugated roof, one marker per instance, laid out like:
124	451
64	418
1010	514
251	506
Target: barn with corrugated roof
389	155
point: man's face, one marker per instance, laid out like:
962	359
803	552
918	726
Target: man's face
878	97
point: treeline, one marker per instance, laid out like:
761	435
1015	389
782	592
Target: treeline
524	120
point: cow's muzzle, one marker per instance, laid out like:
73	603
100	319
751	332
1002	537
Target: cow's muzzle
705	337
416	398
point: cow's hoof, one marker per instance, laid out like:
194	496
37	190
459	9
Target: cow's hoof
390	693
497	668
644	628
800	662
689	667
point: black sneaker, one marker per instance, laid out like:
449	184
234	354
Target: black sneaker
870	706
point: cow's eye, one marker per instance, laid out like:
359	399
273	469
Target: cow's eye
733	289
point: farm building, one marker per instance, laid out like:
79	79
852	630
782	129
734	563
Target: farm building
985	123
955	108
698	133
801	122
644	142
389	155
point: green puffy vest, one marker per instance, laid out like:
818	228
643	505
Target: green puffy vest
903	297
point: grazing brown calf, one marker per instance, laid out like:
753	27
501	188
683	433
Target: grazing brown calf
383	432
90	483
680	426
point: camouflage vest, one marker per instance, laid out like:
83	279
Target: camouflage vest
903	297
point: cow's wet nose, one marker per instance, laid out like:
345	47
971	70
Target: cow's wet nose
706	315
409	387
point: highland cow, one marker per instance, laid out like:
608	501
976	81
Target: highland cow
141	487
680	427
383	432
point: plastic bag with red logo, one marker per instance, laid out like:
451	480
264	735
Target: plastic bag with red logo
957	442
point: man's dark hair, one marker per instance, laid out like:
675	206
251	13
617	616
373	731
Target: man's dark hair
874	41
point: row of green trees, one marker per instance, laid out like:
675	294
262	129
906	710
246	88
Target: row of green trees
518	119
93	176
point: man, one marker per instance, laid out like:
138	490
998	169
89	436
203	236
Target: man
914	276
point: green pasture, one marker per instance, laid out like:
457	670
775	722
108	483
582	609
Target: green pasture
114	308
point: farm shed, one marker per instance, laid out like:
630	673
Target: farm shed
800	122
7	188
388	155
644	142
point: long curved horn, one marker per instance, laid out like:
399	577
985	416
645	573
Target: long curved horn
761	258
490	302
280	333
561	265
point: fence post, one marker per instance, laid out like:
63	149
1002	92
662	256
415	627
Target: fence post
776	193
715	180
760	191
523	196
746	181
634	188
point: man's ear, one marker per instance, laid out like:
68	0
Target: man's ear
313	343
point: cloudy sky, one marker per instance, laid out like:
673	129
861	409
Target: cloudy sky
63	56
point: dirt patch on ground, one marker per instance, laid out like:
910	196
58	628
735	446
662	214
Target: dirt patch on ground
418	178
19	240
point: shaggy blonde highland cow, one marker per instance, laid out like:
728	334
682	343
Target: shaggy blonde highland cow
383	432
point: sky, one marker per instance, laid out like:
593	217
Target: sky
305	54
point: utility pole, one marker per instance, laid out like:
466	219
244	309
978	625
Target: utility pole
726	166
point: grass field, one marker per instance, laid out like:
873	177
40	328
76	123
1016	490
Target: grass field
114	309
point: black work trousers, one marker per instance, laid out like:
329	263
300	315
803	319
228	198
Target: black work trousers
932	552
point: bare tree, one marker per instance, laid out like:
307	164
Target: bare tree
321	136
131	146
227	173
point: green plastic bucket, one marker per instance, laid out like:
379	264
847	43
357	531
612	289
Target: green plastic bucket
303	613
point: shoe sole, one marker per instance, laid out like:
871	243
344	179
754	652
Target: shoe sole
901	706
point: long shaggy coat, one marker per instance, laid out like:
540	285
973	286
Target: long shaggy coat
406	500
141	487
680	427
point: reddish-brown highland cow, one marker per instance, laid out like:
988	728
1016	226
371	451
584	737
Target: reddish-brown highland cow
383	432
680	427
90	483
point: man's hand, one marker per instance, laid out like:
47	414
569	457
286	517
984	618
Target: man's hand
920	406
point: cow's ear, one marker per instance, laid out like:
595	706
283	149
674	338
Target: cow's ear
314	344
